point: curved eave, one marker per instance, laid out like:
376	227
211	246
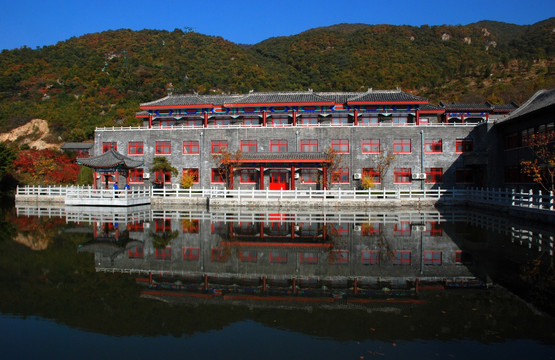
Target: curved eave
387	102
161	107
278	104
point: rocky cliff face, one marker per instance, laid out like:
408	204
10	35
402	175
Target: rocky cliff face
35	134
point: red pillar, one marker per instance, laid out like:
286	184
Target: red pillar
264	118
294	118
262	178
292	187
355	114
150	121
417	117
205	119
231	177
94	179
205	282
325	170
462	118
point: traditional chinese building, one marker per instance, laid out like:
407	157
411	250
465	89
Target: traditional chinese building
285	139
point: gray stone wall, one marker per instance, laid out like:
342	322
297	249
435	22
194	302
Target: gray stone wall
355	160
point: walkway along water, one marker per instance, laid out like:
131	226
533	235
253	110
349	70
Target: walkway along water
537	205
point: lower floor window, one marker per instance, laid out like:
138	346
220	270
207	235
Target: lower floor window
248	176
163	254
464	176
190	253
372	174
278	257
309	175
339	257
432	257
136	175
216	176
309	258
340	176
401	257
249	256
434	175
402	175
162	177
192	173
370	257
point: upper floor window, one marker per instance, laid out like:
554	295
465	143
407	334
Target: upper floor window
433	146
216	176
309	258
248	176
339	257
277	257
248	146
194	123
191	253
340	146
309	145
432	257
308	120
218	146
222	122
309	176
163	148
464	145
370	257
369	120
339	121
278	145
109	145
250	121
371	146
190	147
279	121
402	146
401	257
135	148
399	120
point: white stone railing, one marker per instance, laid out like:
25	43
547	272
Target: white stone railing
508	197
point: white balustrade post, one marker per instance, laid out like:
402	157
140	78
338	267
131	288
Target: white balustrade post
539	197
512	197
551	200
530	197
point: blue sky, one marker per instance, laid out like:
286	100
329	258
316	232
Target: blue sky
38	23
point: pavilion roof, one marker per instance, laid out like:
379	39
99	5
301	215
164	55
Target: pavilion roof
110	159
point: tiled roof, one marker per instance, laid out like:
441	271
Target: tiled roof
339	97
429	107
504	107
110	159
194	99
466	107
377	96
280	98
540	100
74	145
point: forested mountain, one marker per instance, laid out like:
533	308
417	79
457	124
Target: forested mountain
100	79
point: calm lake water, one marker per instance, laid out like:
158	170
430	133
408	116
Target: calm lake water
144	283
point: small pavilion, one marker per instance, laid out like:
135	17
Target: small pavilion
110	165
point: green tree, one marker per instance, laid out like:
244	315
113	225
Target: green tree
162	165
7	156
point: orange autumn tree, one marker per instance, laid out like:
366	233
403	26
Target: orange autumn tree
45	167
541	169
227	162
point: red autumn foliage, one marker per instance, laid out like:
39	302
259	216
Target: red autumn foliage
46	167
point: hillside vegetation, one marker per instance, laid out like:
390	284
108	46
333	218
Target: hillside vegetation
100	79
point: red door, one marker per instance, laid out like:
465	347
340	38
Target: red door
278	180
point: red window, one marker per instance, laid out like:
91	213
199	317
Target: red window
308	120
162	225
371	173
369	120
218	146
109	145
218	255
462	257
340	257
190	226
218	227
464	176
370	257
163	254
309	145
526	136
402	146
371	146
434	175
340	176
339	229
163	148
135	175
248	146
277	257
433	146
433	228
464	145
402	175
432	257
401	257
251	121
309	176
278	145
222	122
190	253
399	120
249	256
248	176
162	177
167	122
135	148
136	253
339	121
194	123
309	258
190	147
193	172
341	146
371	229
279	121
401	229
216	177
